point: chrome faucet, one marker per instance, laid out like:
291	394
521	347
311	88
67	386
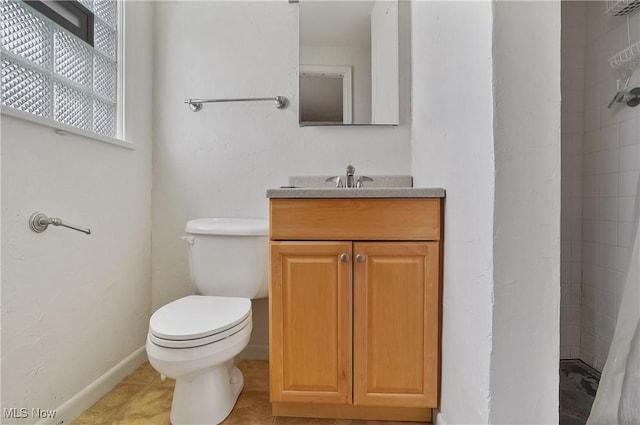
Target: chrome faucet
631	98
350	180
350	171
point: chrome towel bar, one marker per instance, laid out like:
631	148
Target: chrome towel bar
39	222
196	104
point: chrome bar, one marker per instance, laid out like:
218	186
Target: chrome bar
196	104
39	222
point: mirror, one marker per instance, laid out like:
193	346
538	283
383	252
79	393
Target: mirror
349	63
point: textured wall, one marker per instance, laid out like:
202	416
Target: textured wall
220	161
526	314
452	147
74	306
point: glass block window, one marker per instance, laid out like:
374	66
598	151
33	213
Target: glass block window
50	72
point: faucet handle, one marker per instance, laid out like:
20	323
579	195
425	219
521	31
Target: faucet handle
363	179
351	170
337	180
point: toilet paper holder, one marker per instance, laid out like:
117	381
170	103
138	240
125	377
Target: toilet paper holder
39	222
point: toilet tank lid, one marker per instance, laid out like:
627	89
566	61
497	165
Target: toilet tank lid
228	226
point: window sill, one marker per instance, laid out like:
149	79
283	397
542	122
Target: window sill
64	129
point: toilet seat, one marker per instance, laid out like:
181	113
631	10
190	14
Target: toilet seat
198	320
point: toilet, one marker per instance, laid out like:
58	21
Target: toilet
195	339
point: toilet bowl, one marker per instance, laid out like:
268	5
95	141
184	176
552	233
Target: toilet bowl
195	339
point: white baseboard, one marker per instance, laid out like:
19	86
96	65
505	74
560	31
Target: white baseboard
76	405
437	418
255	352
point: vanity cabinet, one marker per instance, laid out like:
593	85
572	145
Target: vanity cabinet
355	307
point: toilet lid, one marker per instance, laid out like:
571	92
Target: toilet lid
198	316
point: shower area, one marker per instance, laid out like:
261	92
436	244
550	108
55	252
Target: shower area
600	169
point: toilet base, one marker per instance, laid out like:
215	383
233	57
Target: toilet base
221	384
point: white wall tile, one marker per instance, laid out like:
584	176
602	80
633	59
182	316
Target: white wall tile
628	183
608	209
576	294
591	188
590	212
590	164
576	212
630	129
592	96
609	137
576	272
576	251
591	141
592	118
608	185
589	257
576	166
624	233
610	256
607	233
625	205
608	160
630	157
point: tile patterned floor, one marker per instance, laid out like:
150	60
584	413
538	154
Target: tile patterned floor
142	398
578	386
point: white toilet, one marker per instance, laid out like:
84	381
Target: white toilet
195	339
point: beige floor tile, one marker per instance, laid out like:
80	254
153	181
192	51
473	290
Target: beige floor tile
152	407
145	374
143	399
167	383
256	374
359	422
108	406
252	408
281	420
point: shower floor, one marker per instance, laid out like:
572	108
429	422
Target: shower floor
578	386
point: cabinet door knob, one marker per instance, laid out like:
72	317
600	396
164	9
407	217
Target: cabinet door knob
344	257
361	258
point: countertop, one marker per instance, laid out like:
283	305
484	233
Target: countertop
365	192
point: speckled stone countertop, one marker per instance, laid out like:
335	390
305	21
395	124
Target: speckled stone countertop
373	192
399	186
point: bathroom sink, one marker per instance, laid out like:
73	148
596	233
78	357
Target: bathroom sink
380	187
378	181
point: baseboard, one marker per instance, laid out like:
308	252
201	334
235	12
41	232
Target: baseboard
254	352
437	418
72	408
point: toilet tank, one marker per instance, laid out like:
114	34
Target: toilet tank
228	257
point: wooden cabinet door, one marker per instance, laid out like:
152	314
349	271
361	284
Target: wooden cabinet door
310	322
396	322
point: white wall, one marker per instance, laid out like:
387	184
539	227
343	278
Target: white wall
452	147
611	165
494	144
384	57
526	230
221	160
74	306
572	74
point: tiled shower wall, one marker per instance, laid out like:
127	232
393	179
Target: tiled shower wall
610	168
572	86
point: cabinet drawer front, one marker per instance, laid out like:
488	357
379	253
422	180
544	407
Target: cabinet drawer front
355	219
